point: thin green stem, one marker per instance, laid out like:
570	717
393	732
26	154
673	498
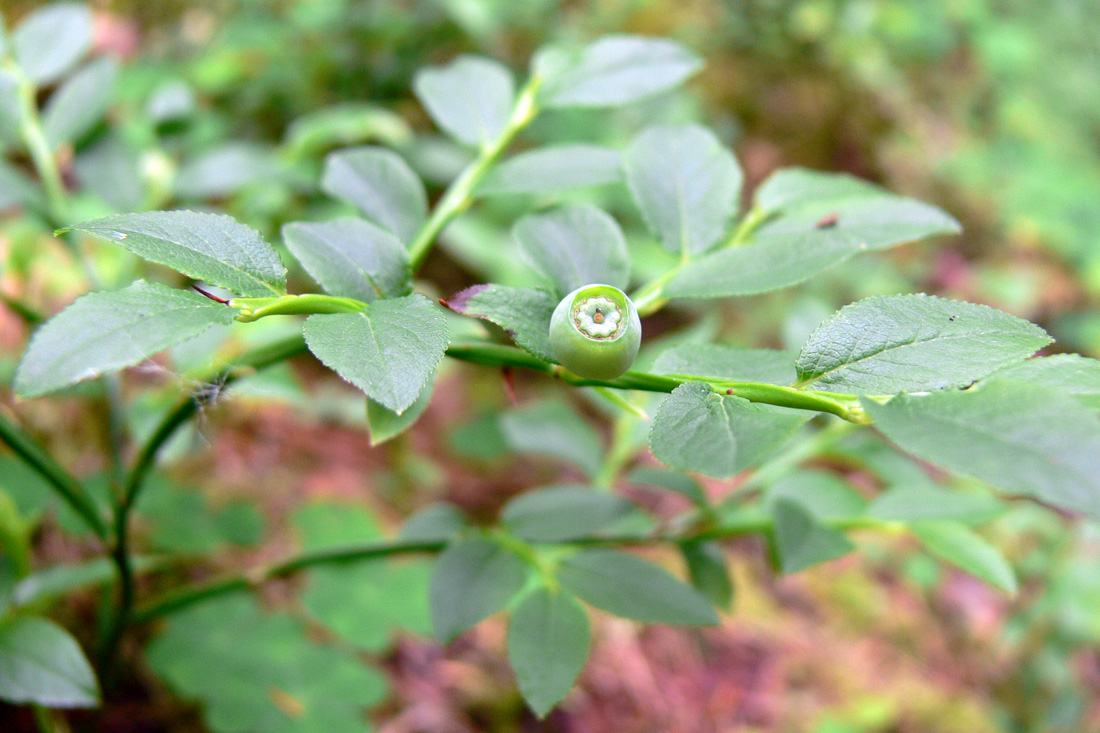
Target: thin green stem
146	459
67	487
497	355
255	577
253	309
460	194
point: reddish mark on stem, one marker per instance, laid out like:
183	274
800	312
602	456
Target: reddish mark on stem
827	221
212	297
510	383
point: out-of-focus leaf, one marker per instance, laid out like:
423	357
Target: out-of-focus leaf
575	245
472	579
41	663
613	71
554	168
52	40
470	98
548	640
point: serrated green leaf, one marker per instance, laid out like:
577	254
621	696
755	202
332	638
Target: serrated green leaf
930	502
553	429
80	102
625	586
823	220
470	98
709	572
351	257
548	639
384	425
51	40
380	184
560	513
824	495
714	361
575	245
105	331
695	429
211	247
473	579
686	184
225	170
1068	373
255	671
388	350
523	312
553	168
915	343
367	601
1015	436
961	547
613	71
41	663
801	540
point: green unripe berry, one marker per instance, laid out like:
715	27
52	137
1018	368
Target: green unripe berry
595	332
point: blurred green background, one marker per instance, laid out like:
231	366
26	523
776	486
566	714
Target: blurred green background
988	108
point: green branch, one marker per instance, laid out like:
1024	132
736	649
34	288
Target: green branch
256	577
62	482
497	355
460	194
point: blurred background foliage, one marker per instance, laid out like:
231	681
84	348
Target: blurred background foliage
988	108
